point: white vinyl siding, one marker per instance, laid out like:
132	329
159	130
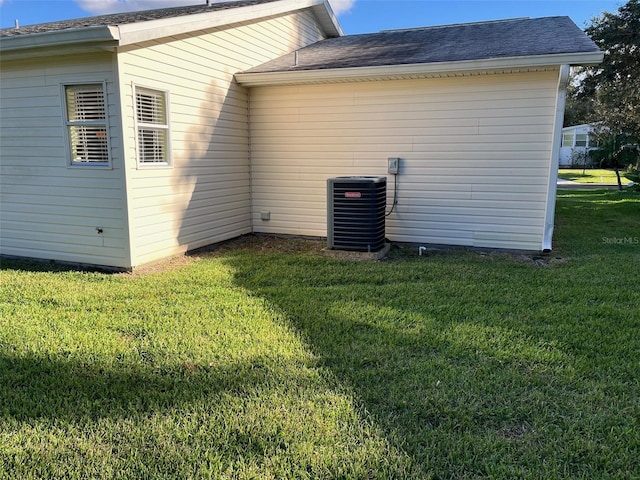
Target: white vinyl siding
475	155
204	198
152	127
86	122
49	210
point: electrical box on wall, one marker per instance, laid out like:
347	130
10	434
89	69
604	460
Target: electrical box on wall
394	165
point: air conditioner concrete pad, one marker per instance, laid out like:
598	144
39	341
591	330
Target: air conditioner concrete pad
349	255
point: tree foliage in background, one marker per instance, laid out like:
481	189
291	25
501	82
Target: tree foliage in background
611	152
579	109
609	93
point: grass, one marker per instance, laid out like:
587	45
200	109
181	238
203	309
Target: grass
262	359
607	177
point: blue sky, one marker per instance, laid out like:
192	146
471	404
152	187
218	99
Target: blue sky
355	16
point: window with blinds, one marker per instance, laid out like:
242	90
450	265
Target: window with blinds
152	127
86	123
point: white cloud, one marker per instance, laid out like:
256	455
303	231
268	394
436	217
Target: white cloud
101	7
341	6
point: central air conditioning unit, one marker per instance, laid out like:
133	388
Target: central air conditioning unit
356	213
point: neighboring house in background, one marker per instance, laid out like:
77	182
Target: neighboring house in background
132	137
577	142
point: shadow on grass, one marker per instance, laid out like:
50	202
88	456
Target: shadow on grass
447	385
35	387
70	419
261	417
474	365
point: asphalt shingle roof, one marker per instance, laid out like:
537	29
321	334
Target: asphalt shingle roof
127	17
449	43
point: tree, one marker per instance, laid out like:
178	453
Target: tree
613	87
579	109
615	151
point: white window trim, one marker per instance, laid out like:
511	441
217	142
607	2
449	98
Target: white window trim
573	139
65	117
147	165
586	140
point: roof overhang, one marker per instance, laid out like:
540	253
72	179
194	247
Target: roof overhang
144	31
87	39
582	125
423	70
94	38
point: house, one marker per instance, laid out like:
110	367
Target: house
577	142
132	137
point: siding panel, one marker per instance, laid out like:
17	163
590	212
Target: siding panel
205	196
475	155
49	210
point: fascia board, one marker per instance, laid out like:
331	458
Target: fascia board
145	31
87	35
327	19
353	74
582	125
128	34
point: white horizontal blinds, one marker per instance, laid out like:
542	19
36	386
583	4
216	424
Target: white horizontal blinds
152	146
151	116
87	124
85	103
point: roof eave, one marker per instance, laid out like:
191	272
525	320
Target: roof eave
138	32
109	36
578	126
102	34
327	19
410	70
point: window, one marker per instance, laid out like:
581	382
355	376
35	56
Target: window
152	127
86	124
581	139
567	139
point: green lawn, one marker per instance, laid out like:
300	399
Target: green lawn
591	176
261	359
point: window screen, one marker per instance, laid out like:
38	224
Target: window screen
152	127
87	124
